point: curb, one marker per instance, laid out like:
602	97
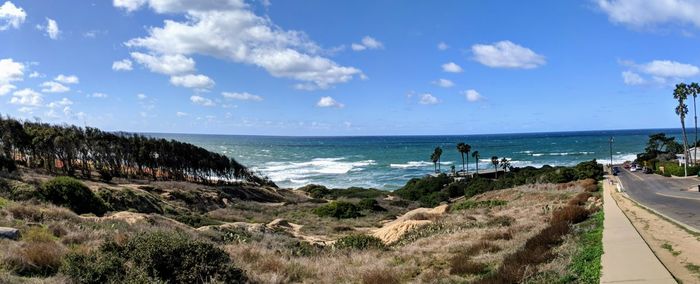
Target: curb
664	216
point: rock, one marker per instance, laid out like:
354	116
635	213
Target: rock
9	233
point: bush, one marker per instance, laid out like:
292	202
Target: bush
503	221
570	214
356	192
69	192
315	190
370	204
338	209
580	199
359	242
34	258
126	199
589	170
418	188
478	185
470	204
17	190
461	264
105	175
156	256
7	164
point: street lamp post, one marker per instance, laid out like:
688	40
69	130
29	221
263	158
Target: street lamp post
611	156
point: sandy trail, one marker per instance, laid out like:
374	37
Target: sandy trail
677	248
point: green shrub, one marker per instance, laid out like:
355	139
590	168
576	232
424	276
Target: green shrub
338	209
195	220
456	189
359	242
7	164
418	188
67	191
370	204
356	192
470	204
105	175
315	190
159	256
589	169
17	190
127	199
477	186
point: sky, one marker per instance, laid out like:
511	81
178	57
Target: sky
361	67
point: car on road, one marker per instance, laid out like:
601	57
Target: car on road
633	169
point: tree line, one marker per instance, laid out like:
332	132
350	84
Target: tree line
73	150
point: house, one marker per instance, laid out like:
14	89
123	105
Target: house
691	156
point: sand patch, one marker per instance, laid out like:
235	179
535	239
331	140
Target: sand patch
393	231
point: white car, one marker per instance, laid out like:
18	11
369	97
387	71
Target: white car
633	169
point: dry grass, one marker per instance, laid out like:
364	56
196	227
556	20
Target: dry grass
380	276
497	235
580	199
461	264
34	258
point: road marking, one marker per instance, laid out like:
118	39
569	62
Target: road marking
674	196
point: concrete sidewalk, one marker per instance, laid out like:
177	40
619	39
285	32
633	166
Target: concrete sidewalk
626	258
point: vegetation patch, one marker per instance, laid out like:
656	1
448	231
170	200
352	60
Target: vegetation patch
359	242
669	248
471	204
585	264
69	192
153	257
339	210
126	199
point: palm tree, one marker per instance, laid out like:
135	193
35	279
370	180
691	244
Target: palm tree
681	94
464	148
438	154
505	164
434	159
476	157
695	90
494	161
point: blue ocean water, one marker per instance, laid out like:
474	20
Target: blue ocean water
387	162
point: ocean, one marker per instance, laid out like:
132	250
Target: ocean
388	162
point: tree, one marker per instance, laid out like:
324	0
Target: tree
435	158
464	149
494	161
505	164
681	94
476	157
694	89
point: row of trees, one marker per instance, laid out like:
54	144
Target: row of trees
681	93
464	150
71	150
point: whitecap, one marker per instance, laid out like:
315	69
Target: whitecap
411	164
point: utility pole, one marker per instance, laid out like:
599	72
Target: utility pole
611	156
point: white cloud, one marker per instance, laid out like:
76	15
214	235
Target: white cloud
178	6
442	46
181	114
245	96
329	102
368	42
644	13
165	64
67	79
129	5
26	110
122	65
51	28
98	95
357	47
26	97
192	81
62	103
6	89
631	78
11	16
472	95
667	68
10	71
201	101
141	96
229	30
428	99
35	74
506	54
53	87
444	83
451	67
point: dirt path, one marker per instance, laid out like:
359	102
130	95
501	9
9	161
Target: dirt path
678	249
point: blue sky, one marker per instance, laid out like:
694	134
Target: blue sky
347	68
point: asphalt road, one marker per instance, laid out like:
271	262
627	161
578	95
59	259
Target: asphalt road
665	195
